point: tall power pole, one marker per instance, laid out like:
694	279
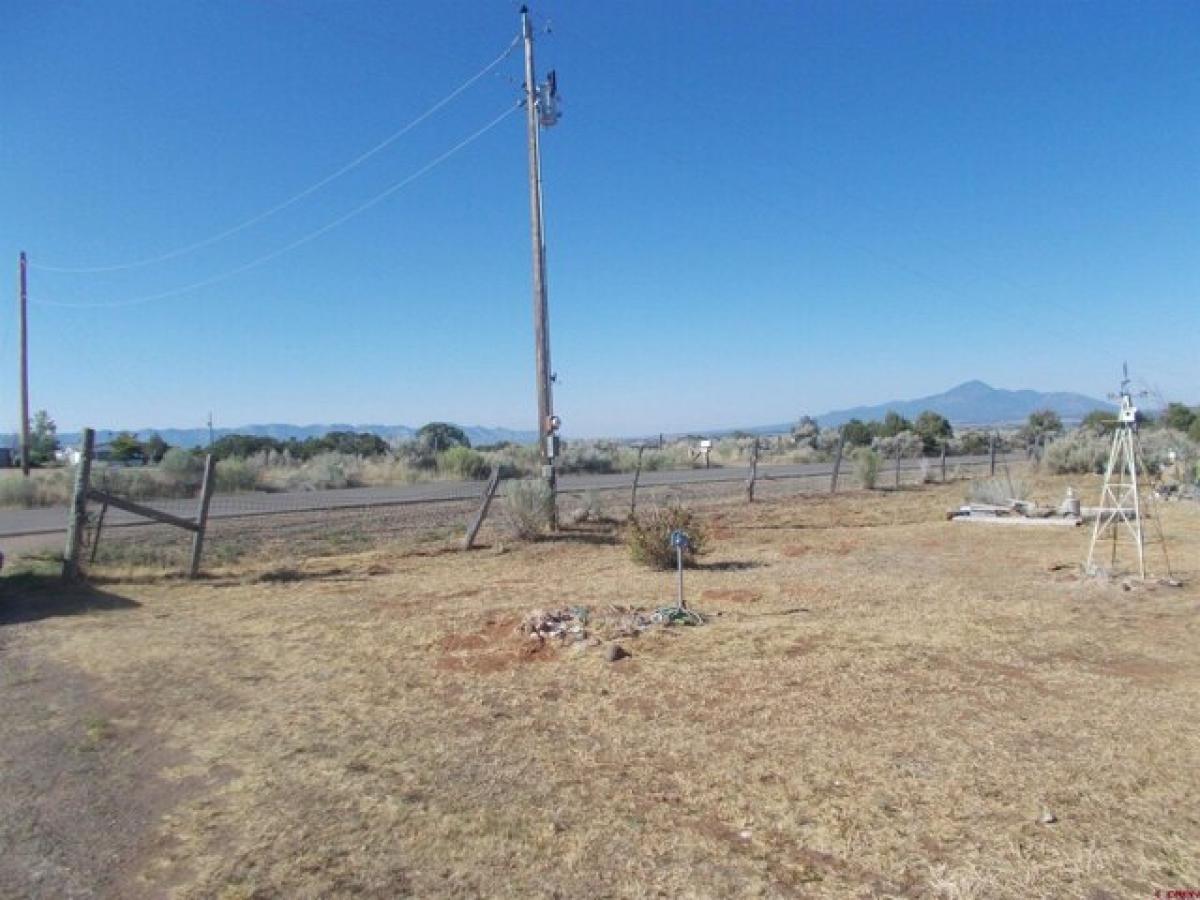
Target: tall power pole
538	112
24	338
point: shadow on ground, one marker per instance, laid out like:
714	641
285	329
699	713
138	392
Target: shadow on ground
32	597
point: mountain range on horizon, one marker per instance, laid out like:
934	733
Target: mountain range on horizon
975	403
970	403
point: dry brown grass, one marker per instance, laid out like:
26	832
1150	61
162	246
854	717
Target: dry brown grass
882	704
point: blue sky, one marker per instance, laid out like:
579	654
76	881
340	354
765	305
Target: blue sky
753	210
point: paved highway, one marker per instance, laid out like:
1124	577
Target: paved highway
53	520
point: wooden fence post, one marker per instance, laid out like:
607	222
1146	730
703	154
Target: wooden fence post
943	462
488	493
897	463
837	461
992	452
637	476
206	489
77	516
753	472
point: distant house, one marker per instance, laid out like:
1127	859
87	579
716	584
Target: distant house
102	453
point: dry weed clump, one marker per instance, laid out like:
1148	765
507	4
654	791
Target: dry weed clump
528	505
998	491
648	536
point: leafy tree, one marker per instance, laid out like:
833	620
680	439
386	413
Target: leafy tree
858	433
155	448
1043	422
974	443
1178	416
1194	431
893	423
240	446
355	444
806	431
438	436
125	447
1100	421
43	438
933	429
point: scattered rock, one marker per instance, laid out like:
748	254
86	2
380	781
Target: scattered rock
616	652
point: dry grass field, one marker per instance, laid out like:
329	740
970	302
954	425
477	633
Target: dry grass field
881	704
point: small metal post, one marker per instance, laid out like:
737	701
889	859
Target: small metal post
679	564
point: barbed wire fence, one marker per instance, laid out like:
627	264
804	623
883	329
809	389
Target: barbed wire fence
285	529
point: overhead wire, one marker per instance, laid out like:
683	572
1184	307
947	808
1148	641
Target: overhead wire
295	198
299	242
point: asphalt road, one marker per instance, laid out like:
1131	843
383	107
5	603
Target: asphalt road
53	520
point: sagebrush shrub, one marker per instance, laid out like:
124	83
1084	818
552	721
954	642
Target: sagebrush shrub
463	462
866	467
528	505
236	475
648	536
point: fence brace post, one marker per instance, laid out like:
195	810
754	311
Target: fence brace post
206	489
488	493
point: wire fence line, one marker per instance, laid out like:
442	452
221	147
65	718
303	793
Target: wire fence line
460	495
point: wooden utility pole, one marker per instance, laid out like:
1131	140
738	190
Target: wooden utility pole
547	424
24	339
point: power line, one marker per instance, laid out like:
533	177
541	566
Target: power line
254	220
299	242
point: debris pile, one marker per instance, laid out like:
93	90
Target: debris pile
566	624
1021	512
572	624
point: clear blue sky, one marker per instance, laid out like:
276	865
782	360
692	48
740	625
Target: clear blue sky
754	210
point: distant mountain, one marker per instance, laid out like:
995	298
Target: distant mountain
970	403
198	437
976	403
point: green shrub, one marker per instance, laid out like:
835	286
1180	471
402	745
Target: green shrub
463	462
866	467
648	536
325	472
1081	452
528	505
236	475
179	462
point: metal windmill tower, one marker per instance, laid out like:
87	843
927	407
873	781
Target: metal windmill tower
1122	508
